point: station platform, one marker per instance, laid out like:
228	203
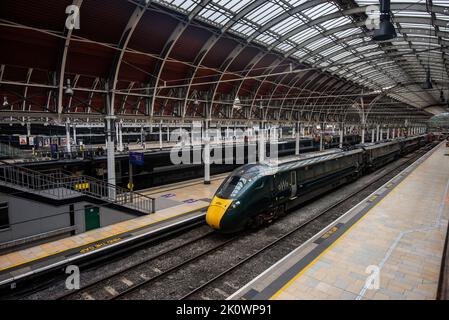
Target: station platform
182	203
389	246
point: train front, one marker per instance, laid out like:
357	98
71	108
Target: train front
226	211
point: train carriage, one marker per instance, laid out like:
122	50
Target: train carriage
377	155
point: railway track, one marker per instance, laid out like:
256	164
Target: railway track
98	283
118	286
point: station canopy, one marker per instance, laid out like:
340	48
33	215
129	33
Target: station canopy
224	60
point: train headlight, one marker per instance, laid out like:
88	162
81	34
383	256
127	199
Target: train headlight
235	204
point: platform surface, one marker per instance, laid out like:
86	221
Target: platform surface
180	201
387	247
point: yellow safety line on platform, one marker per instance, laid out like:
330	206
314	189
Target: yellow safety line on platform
285	286
99	239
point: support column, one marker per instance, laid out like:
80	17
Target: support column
393	133
74	134
372	135
342	128
261	141
381	133
297	138
388	133
363	133
378	133
142	137
110	156
206	160
322	137
67	135
168	133
160	136
120	137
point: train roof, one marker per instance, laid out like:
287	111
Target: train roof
369	146
294	162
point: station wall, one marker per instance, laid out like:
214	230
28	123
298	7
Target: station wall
31	221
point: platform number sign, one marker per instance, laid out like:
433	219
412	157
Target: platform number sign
73	280
373	280
73	19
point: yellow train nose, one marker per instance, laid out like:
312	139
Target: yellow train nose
216	211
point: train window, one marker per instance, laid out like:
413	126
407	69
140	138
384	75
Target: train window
4	215
260	185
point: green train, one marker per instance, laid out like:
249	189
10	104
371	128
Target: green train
258	193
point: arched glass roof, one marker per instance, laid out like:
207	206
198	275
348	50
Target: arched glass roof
332	35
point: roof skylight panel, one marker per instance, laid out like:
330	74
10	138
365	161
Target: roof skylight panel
304	35
233	5
331	50
412	14
347	32
320	10
341	56
354	41
215	14
299	53
265	12
287	25
284	47
367	47
266	38
319	43
334	23
186	5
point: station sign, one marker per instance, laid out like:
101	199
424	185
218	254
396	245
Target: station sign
137	158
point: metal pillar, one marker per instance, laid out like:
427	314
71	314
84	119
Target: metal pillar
110	155
372	135
206	160
388	133
363	133
261	141
297	138
341	136
160	136
322	137
120	136
67	135
74	134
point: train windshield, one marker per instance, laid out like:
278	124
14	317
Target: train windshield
236	183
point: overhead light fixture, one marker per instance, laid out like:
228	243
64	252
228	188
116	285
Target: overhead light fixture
237	104
68	88
386	30
428	83
195	96
5	101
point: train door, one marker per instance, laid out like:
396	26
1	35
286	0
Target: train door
293	184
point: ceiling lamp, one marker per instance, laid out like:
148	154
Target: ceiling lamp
386	30
237	104
68	88
428	83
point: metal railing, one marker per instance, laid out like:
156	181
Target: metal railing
60	184
9	151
